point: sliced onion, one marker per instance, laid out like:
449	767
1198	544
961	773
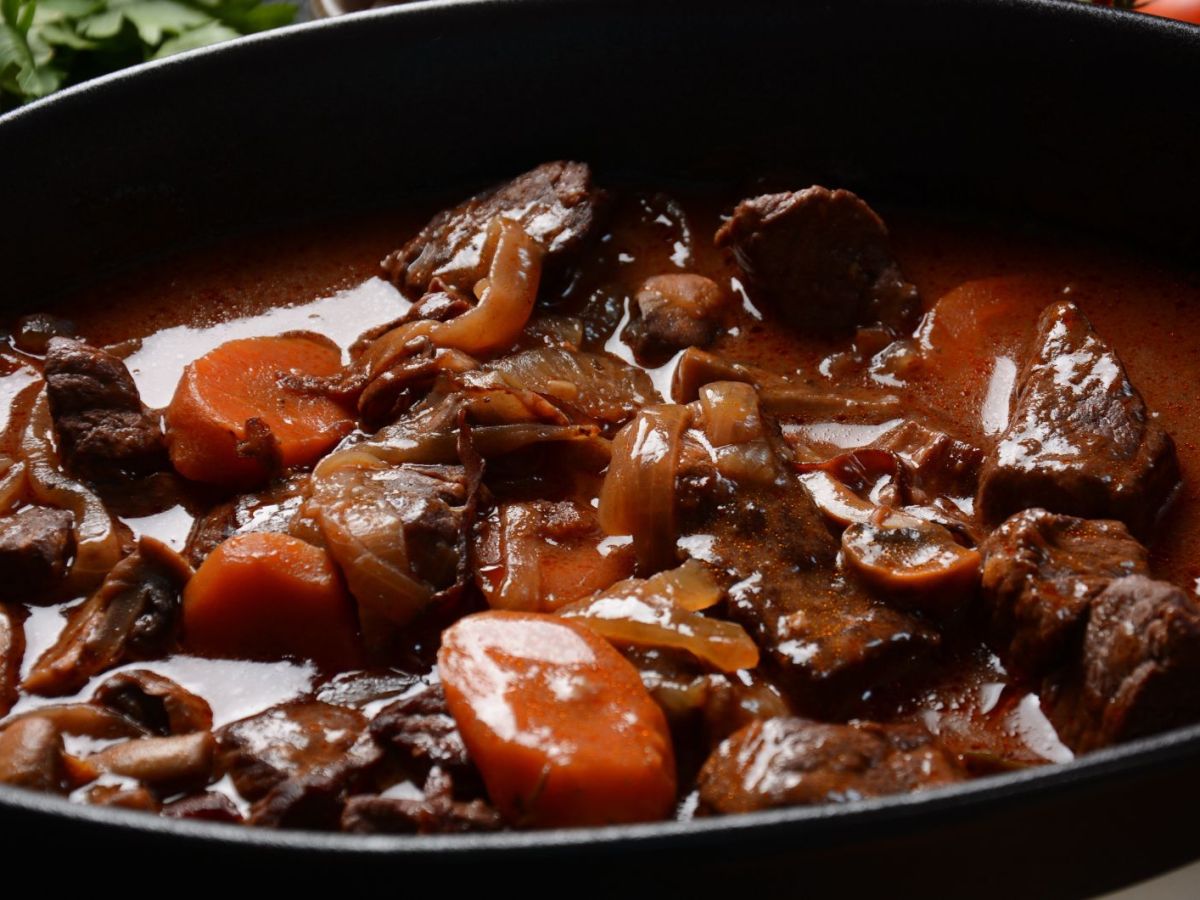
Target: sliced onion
638	496
398	444
662	612
495	324
600	387
691	586
697	368
97	545
730	411
811	404
13	484
365	535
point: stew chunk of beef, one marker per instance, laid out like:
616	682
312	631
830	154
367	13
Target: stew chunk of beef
104	429
1080	441
419	725
555	204
822	258
791	761
1140	669
825	636
1042	571
35	549
437	811
297	761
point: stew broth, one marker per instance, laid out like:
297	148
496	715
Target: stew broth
983	288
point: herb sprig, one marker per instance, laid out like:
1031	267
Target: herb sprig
47	44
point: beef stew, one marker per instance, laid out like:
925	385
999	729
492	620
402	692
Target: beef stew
574	515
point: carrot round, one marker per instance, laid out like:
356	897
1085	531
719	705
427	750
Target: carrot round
269	596
558	722
231	421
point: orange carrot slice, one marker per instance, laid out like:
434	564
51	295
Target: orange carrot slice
270	596
558	722
231	421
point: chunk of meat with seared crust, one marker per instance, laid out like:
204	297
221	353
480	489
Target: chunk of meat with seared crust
823	260
271	509
36	544
936	464
103	428
555	204
796	762
420	726
1042	571
1140	667
437	811
824	636
1080	441
296	762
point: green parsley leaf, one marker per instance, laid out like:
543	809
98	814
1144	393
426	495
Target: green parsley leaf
46	44
212	33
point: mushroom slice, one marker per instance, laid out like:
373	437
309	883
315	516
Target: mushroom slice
178	761
157	703
31	755
917	564
133	615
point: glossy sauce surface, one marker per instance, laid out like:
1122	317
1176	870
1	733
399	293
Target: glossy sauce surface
983	288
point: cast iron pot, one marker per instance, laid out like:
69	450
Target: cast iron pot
1044	111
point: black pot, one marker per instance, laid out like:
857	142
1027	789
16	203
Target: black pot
1045	111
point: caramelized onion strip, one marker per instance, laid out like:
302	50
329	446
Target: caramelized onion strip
97	545
638	496
13	484
662	612
495	324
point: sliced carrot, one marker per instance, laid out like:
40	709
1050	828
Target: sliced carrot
270	596
558	722
231	420
539	556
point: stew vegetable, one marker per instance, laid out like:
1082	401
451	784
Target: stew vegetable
591	507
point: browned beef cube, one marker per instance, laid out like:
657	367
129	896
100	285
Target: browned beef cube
35	549
297	761
1080	441
936	464
1041	572
1140	669
825	637
822	258
555	204
438	811
104	430
795	762
420	726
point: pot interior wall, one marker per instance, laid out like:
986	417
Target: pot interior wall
1041	110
